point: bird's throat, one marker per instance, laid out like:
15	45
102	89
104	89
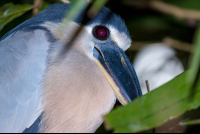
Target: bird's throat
75	102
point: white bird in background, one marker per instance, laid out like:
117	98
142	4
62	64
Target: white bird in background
158	64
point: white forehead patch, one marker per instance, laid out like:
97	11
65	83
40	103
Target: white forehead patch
122	40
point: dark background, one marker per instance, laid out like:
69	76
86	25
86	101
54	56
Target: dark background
146	24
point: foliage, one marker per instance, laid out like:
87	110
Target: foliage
9	12
163	104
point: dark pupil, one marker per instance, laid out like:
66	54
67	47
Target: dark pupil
101	32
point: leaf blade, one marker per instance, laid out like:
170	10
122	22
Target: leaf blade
9	12
159	107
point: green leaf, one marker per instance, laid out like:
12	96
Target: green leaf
9	12
195	60
96	7
76	8
193	122
45	5
166	102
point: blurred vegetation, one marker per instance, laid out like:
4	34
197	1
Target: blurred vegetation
174	22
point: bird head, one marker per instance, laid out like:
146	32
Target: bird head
103	39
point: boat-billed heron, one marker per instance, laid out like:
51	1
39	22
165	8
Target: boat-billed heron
52	84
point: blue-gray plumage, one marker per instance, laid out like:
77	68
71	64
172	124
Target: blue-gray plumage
56	12
40	91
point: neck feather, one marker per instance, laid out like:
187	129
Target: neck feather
76	95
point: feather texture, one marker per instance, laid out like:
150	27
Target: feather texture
38	76
23	57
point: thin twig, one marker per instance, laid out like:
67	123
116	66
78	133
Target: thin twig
175	11
37	6
65	1
139	45
176	44
68	1
148	86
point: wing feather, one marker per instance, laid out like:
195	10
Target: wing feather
22	66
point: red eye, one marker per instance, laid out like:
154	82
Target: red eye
101	32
